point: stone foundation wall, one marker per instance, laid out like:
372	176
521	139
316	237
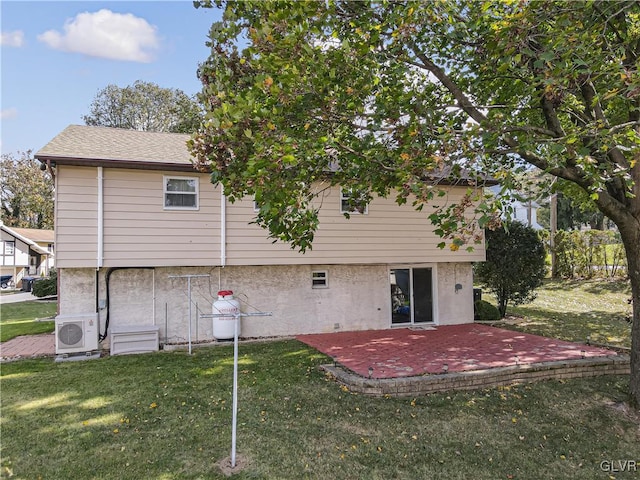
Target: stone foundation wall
357	297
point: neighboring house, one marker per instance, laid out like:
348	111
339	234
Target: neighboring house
40	264
133	219
26	252
524	211
527	213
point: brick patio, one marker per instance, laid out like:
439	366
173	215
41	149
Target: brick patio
28	346
405	352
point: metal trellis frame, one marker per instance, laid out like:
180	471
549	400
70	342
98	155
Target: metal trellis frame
189	277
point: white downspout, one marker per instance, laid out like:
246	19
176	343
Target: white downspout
153	307
223	228
100	219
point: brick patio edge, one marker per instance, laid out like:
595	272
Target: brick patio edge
479	379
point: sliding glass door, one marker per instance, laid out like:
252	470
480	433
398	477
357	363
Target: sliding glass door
411	295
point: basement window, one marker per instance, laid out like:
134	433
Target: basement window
320	279
181	193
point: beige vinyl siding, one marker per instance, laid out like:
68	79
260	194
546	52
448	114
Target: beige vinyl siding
138	231
76	218
388	233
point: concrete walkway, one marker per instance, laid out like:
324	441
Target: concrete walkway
17	297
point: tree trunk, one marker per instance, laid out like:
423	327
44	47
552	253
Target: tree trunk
631	239
502	302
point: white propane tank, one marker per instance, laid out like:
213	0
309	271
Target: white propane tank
223	327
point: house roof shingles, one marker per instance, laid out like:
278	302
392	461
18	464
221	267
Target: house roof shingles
18	233
116	147
35	235
99	146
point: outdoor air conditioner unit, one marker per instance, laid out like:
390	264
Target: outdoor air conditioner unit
76	333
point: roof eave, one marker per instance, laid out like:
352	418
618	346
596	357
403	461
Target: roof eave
33	245
456	182
115	163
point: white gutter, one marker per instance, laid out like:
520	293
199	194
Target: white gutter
223	228
100	219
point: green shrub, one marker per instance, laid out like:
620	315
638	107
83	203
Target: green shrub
515	265
565	249
46	287
483	310
589	254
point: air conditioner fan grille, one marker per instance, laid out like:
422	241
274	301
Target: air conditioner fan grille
71	334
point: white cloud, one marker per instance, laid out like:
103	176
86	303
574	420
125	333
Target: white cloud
106	34
12	39
7	113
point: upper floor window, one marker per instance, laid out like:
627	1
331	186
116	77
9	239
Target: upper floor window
181	193
349	202
9	247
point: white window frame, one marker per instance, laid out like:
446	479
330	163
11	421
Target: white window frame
345	194
196	194
321	276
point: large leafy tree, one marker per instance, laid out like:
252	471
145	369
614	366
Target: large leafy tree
26	192
387	94
144	106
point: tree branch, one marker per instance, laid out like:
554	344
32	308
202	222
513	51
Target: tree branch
551	117
589	94
570	172
530	129
463	101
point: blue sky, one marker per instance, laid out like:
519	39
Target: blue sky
56	56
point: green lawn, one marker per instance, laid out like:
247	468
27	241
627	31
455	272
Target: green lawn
573	310
26	318
167	416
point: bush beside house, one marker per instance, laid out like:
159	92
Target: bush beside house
46	287
485	311
515	265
